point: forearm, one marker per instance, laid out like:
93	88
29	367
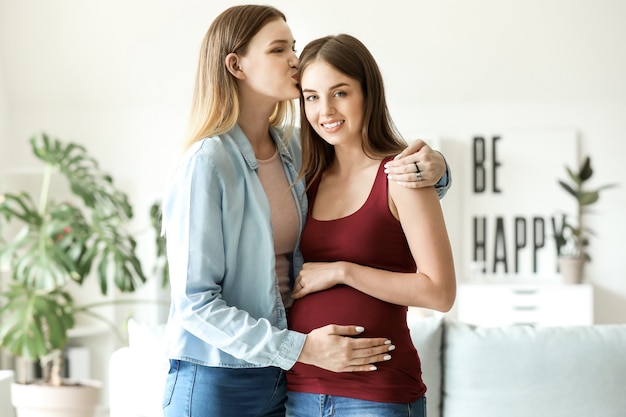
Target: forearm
236	333
408	289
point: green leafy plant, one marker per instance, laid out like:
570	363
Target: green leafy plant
57	243
161	268
572	239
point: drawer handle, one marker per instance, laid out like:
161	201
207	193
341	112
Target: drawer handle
525	308
525	292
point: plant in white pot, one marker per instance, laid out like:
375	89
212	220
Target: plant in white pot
58	244
572	239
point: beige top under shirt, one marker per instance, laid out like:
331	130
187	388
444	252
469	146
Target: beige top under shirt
285	222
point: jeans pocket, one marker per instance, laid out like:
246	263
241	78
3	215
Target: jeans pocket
170	382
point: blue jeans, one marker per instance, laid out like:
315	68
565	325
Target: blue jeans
301	404
200	391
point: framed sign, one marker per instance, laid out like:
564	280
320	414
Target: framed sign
512	202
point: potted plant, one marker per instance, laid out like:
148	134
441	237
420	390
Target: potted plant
55	244
161	268
572	239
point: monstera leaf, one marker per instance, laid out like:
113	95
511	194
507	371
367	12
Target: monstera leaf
53	243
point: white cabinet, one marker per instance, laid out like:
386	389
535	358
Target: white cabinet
540	304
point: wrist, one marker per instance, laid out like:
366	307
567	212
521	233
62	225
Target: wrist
346	272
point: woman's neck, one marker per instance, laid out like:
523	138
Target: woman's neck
257	130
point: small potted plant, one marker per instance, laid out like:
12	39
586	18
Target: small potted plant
51	245
572	239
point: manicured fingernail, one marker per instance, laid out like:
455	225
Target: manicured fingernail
392	347
386	165
387	357
387	342
373	368
359	329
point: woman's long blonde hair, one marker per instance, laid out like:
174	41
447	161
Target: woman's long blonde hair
215	103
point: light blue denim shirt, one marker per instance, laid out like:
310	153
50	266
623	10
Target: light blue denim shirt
226	307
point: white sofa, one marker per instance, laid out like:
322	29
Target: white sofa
470	371
6	409
137	373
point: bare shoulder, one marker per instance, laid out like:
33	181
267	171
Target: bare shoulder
403	199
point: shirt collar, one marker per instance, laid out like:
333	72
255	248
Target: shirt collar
247	151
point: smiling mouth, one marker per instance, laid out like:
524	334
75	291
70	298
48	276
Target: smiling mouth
332	125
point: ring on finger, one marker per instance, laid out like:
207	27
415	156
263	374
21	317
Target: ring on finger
417	168
418	174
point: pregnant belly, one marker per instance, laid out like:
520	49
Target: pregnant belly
346	306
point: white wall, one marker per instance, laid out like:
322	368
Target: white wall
3	121
117	77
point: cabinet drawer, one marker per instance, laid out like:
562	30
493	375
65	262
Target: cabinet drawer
501	304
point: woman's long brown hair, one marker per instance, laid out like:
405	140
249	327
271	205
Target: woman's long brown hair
380	136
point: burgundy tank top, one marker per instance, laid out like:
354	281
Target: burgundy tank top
371	236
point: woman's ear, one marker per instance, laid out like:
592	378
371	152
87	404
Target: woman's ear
232	64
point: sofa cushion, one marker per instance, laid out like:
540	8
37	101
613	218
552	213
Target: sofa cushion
137	373
427	333
6	379
540	371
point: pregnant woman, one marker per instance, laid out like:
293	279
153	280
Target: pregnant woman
367	254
